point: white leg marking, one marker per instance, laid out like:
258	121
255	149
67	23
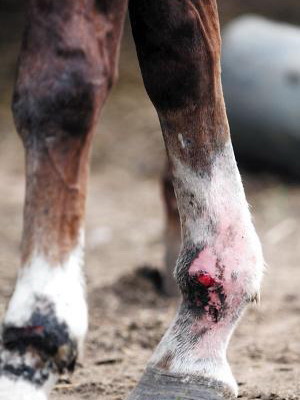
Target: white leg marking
58	294
225	230
63	285
222	196
20	390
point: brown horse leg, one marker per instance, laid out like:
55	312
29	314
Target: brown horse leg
67	65
220	265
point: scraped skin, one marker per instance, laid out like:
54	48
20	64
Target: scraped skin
220	264
67	66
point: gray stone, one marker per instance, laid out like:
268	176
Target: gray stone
261	78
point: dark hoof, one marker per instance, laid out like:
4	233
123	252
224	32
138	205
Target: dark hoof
156	385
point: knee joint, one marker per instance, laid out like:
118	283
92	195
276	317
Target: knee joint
55	105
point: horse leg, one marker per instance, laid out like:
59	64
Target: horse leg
220	264
172	231
67	65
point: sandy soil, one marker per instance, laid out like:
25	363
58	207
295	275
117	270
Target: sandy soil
125	231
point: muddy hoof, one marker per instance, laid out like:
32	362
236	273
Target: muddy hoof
52	346
156	385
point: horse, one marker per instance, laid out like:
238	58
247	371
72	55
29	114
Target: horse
67	66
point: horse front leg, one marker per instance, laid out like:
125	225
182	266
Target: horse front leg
67	65
220	264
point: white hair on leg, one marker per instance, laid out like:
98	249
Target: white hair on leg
50	298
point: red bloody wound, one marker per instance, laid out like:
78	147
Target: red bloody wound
205	279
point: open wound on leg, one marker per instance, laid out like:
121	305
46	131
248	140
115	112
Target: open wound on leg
207	294
221	278
210	288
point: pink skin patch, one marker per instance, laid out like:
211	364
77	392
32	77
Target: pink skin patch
222	269
206	261
222	277
222	260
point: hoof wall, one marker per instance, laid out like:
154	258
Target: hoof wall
158	385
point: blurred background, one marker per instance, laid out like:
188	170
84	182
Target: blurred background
125	220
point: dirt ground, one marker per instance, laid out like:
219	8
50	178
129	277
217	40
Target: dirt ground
125	225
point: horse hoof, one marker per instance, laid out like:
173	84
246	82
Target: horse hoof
158	385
